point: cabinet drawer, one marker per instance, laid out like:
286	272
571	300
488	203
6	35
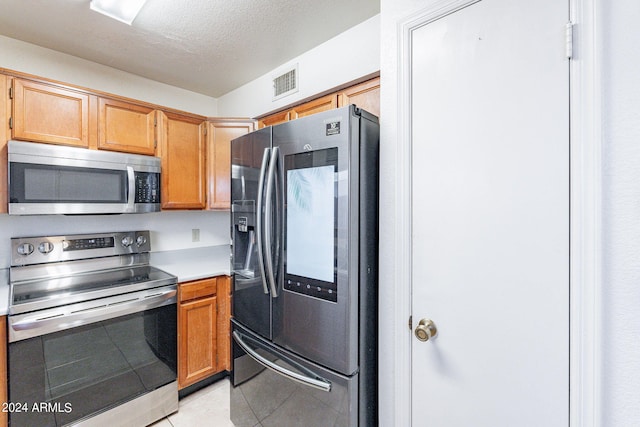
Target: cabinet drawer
197	289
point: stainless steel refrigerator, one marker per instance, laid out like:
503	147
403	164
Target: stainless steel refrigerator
305	268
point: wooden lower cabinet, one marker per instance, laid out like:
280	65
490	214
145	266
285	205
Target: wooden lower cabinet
4	416
203	323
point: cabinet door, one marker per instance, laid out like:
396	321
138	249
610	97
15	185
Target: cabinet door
328	102
274	119
5	108
196	341
126	127
53	114
365	95
224	323
4	418
220	134
183	161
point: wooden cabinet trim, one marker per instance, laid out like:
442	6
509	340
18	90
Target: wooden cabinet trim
224	323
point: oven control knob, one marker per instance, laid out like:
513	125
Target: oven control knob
127	241
141	240
25	249
45	247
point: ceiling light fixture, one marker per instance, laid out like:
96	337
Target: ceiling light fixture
121	10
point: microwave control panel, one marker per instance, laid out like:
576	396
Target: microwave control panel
147	187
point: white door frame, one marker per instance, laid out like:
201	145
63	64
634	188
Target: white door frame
585	211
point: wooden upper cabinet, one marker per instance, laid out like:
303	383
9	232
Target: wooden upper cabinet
328	102
219	136
365	95
183	153
126	127
5	108
274	119
47	113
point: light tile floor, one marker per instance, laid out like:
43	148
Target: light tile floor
204	408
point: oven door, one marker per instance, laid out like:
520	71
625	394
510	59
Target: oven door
62	377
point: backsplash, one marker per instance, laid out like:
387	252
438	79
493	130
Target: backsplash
169	230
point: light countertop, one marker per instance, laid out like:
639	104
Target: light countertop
186	264
194	264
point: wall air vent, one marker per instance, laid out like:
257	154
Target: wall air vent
286	83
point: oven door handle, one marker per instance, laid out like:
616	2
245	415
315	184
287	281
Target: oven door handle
29	325
311	380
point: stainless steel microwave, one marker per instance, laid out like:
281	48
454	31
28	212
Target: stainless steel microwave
53	179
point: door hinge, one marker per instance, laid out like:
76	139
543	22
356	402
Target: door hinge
569	39
10	93
410	323
10	122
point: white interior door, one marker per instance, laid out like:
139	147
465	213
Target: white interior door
490	215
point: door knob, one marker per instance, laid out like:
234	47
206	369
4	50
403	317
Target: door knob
426	330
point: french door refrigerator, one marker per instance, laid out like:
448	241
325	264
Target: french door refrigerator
305	268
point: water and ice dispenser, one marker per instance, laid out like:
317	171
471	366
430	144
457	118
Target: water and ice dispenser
245	256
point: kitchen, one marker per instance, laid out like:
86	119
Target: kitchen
611	397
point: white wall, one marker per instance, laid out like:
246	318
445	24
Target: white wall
621	213
348	56
28	58
169	230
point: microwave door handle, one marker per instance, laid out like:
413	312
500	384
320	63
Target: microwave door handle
131	198
268	219
314	381
260	217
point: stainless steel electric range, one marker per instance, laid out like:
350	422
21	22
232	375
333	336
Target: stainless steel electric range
92	332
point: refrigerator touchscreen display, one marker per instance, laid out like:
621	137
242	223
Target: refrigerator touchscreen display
311	223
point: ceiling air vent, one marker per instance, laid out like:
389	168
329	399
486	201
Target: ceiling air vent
285	84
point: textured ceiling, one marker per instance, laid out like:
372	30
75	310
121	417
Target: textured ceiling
206	46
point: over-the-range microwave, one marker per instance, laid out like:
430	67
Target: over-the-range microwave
54	179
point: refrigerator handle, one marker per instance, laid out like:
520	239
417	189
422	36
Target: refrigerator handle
259	218
268	222
313	380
